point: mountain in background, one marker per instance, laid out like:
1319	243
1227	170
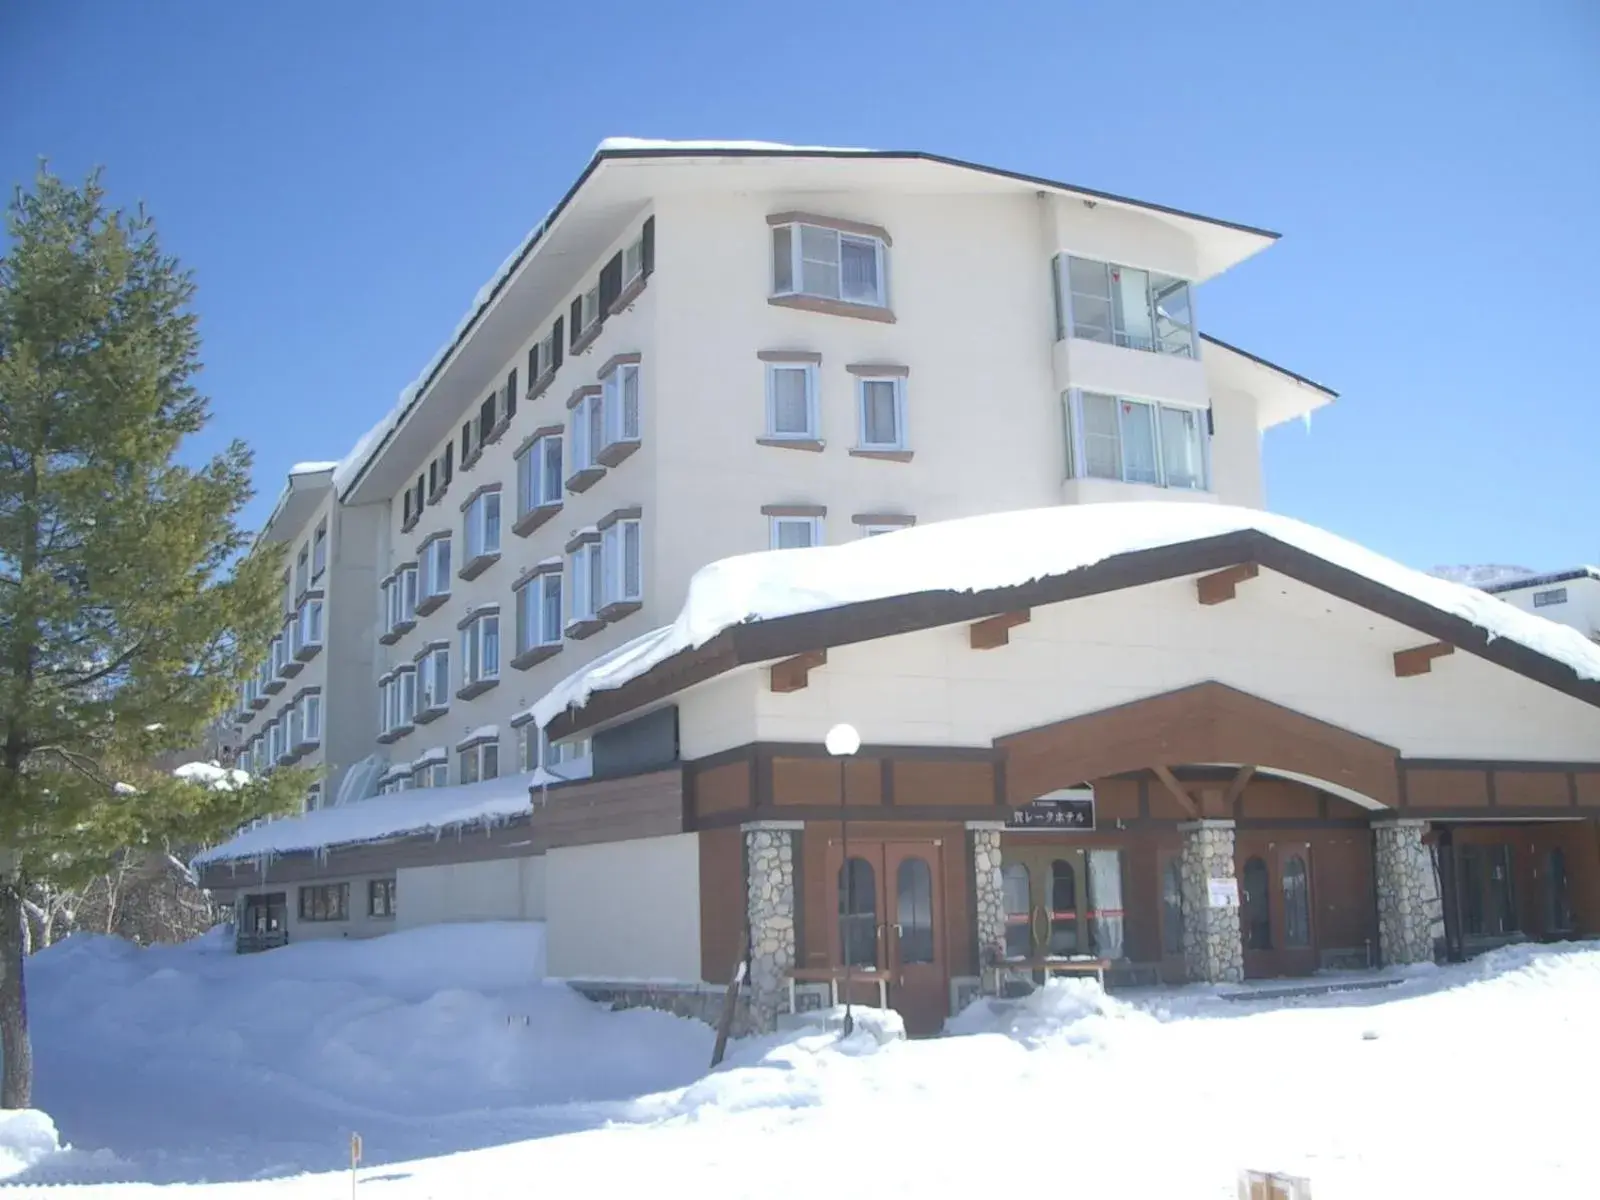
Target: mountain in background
1483	574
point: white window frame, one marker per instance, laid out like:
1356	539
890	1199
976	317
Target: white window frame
478	755
435	567
868	531
898	383
294	733
433	774
1068	324
476	665
483	526
615	426
589	311
632	261
537	485
587	419
1078	465
813	524
311	719
808	372
310	624
532	598
796	233
529	736
406	683
319	550
1550	597
614	540
586	570
433	680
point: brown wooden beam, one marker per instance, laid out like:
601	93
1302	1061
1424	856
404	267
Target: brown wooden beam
1170	782
1236	788
792	673
1419	659
1220	586
996	631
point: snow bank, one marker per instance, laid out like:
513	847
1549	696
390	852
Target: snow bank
422	810
1076	1012
27	1136
1008	550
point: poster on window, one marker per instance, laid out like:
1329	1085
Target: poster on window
1222	893
1067	809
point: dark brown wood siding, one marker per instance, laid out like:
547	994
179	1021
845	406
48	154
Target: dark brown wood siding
1447	789
923	782
1531	789
724	788
723	903
813	781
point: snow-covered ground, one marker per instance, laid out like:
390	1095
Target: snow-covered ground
189	1064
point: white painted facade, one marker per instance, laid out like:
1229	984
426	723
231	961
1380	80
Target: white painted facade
507	889
624	911
1279	639
1570	598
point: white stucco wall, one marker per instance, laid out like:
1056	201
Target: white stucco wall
507	889
1279	639
624	910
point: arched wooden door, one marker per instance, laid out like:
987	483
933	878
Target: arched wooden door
1276	910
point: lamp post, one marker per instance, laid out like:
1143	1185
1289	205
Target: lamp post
843	741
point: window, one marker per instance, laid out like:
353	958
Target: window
588	311
380	897
406	692
433	672
1015	893
633	260
1558	894
310	630
539	612
1136	441
468	441
480	649
528	739
400	600
313	797
478	762
869	531
1552	596
319	550
483	526
586	588
539	474
795	533
792	401
555	757
544	356
280	655
1126	306
325	902
312	705
810	260
293	732
882	406
431	774
1172	908
858	913
621	578
1255	911
588	431
1295	886
434	581
620	404
302	569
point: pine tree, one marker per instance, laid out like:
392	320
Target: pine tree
130	599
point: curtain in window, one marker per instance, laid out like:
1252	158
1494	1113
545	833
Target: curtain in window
1089	283
1105	903
1130	302
791	408
858	270
1138	442
819	262
1181	447
879	415
1102	442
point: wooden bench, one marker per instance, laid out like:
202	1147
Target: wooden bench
833	977
1052	966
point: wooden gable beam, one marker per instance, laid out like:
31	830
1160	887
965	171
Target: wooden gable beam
1220	585
994	632
792	674
1236	788
1419	659
1170	782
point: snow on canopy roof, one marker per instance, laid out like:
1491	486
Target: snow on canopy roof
423	810
1001	550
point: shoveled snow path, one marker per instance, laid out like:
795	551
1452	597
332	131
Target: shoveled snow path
1368	1093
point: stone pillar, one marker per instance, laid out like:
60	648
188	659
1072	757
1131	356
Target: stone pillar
1213	950
1410	916
988	896
769	869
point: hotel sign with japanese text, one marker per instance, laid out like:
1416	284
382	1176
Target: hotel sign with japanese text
1066	811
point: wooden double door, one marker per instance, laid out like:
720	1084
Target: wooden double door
1276	909
889	918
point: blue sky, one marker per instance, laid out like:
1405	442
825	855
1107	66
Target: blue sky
342	178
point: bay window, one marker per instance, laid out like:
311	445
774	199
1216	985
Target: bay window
632	261
585	587
1124	306
319	550
477	760
539	614
1137	441
399	603
539	474
311	718
294	731
482	532
829	264
431	772
621	572
480	653
619	410
587	438
434	574
308	632
792	401
433	682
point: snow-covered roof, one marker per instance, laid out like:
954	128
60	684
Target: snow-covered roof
432	754
398	814
1008	550
213	774
714	145
1545	580
312	468
484	733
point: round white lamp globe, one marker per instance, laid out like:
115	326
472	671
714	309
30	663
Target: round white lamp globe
842	739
